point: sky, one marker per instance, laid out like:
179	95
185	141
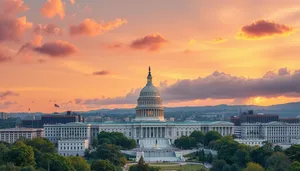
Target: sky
92	54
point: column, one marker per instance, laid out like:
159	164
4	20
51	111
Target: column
156	131
141	132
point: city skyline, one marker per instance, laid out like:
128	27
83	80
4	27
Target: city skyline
85	55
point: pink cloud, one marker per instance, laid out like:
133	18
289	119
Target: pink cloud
53	8
115	45
90	27
151	42
263	28
48	29
72	2
57	49
13	29
13	6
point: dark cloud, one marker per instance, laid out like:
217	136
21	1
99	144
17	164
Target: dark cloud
6	94
48	29
13	29
151	42
263	28
101	73
57	49
218	85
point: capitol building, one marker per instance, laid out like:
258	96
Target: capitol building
154	135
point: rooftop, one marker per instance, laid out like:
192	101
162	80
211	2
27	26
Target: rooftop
19	129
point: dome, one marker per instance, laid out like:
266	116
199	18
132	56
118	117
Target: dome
149	90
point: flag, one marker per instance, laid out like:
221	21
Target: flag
56	105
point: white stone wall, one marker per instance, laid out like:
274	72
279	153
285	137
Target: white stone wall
72	147
11	135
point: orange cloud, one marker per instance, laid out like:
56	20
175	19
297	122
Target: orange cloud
57	49
218	40
51	8
151	42
13	29
13	6
4	57
72	2
262	29
115	45
48	29
91	28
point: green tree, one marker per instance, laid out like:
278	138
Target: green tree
241	157
295	166
42	144
211	136
199	136
253	167
278	161
185	142
142	166
278	148
102	165
260	155
28	168
226	148
9	167
226	168
218	165
79	163
110	152
201	155
209	158
234	167
95	143
21	155
55	162
293	152
3	150
116	138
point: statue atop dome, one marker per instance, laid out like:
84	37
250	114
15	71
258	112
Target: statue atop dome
149	78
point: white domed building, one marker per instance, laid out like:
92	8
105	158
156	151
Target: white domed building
153	134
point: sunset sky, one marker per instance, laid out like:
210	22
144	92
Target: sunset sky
91	54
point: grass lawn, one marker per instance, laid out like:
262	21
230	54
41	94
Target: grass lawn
188	167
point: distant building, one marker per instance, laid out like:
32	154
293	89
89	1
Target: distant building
11	135
54	119
274	132
172	119
251	142
235	120
72	147
3	115
290	120
261	118
32	122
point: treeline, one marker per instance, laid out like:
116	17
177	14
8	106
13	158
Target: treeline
38	154
106	151
233	156
196	139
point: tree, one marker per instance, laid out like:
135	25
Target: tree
253	167
211	136
27	168
79	163
42	144
278	161
278	148
209	158
199	136
142	166
185	142
116	138
234	167
3	150
9	167
95	143
241	157
201	156
226	148
102	165
260	155
21	155
293	152
55	162
295	166
226	168
110	152
218	165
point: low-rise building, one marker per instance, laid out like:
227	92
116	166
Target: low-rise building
11	135
251	142
3	115
72	147
274	132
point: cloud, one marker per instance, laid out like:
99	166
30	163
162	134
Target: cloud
27	47
5	55
6	104
151	42
13	7
57	49
41	61
262	29
90	27
51	8
218	40
47	29
13	29
101	73
115	45
218	85
6	94
72	2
